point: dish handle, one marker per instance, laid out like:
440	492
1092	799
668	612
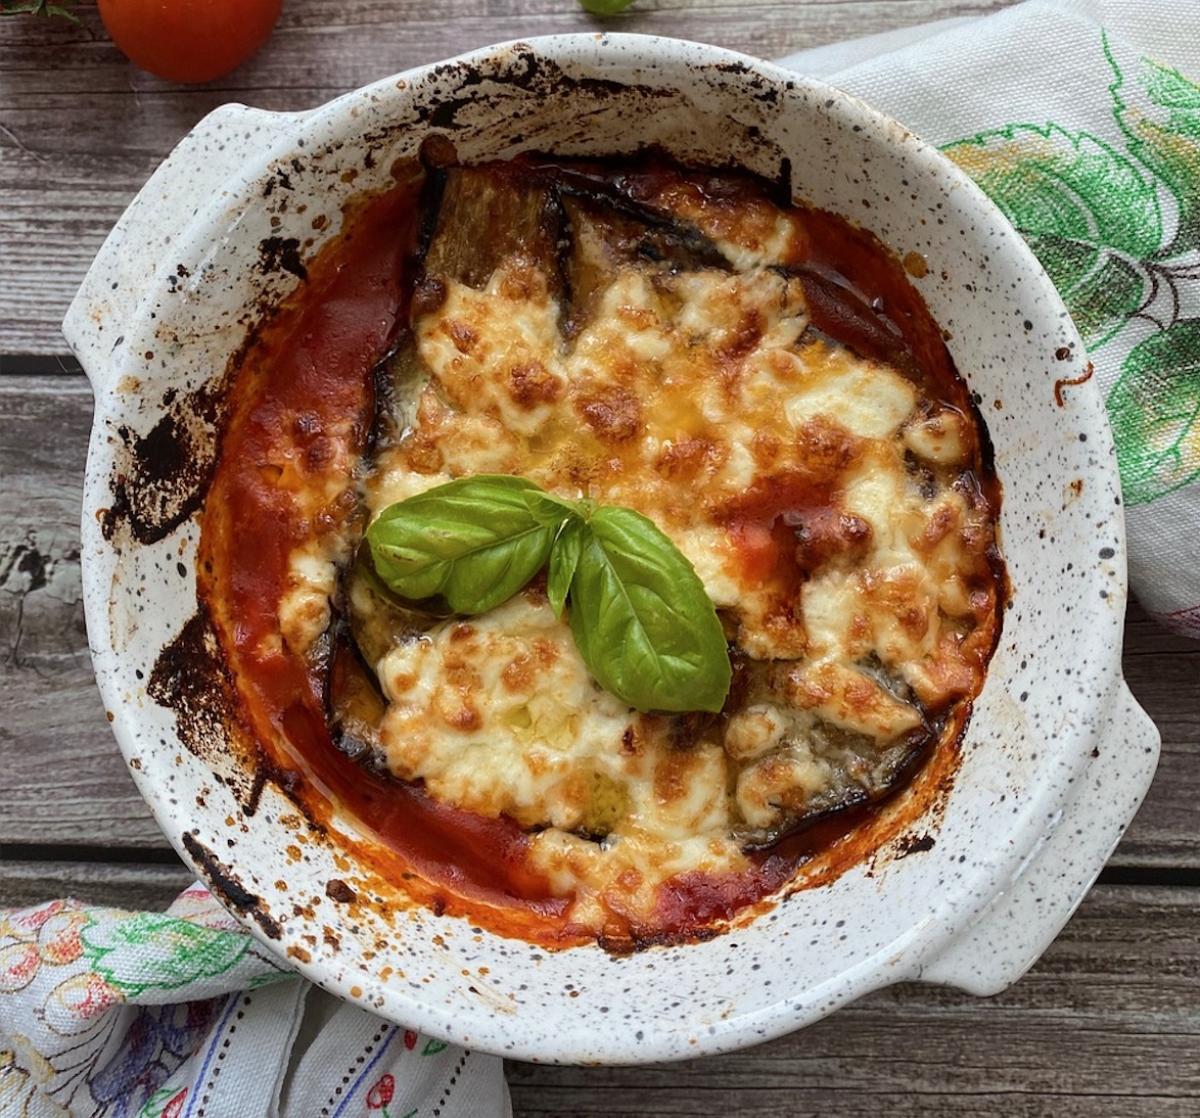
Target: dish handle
1013	932
202	169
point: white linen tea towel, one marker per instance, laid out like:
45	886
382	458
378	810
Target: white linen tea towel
1081	120
113	1014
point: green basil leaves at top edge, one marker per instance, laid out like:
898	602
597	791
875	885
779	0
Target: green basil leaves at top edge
642	621
473	541
640	616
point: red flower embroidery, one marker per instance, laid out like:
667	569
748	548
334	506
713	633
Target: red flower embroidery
410	1039
174	1108
381	1094
19	963
31	919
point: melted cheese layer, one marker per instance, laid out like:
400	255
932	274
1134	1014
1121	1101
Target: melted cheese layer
824	498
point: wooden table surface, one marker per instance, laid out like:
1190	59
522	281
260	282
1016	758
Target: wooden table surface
1108	1023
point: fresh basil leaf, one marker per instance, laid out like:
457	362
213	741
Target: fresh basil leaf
564	559
641	619
473	541
639	613
550	509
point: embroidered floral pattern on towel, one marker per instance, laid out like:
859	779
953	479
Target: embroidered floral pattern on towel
1117	228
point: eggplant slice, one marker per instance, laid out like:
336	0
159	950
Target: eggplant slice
863	773
355	706
368	623
399	379
603	238
488	215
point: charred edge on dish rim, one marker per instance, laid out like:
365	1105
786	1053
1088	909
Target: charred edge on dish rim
191	679
469	83
160	479
222	881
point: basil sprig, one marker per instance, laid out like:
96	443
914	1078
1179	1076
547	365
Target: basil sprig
638	611
475	542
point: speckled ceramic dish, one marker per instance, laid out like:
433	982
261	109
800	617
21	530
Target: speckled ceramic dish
1057	756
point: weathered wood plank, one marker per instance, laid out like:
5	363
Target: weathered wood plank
1163	671
1106	1024
136	886
63	780
88	128
54	723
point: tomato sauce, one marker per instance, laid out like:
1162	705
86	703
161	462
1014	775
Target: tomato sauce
312	375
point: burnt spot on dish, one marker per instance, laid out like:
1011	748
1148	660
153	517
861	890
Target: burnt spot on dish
337	890
910	844
225	885
160	478
281	254
190	677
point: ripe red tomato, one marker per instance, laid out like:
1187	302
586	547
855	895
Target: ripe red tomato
189	40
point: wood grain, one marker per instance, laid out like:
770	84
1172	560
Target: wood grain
52	709
152	887
88	128
1105	1024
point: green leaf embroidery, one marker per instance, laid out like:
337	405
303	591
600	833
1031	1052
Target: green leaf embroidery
1160	116
1092	216
433	1047
1154	409
642	620
1088	213
157	1102
154	951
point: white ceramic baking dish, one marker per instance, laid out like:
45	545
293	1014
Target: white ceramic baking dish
1057	757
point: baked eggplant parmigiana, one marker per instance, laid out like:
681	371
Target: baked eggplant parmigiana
759	380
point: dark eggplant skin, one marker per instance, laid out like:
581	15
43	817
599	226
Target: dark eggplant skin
576	228
892	767
601	237
367	621
354	703
488	215
397	379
